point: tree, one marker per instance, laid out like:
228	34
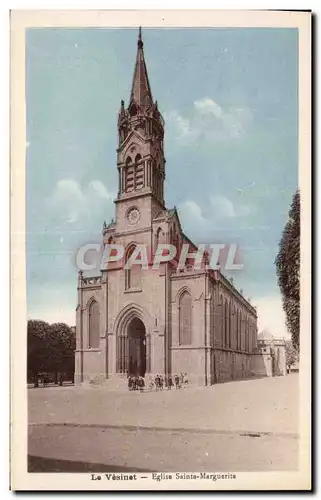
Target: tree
291	354
288	270
37	336
61	347
50	349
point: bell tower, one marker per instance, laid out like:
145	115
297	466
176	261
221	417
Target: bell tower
140	153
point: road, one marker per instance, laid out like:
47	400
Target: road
239	426
115	449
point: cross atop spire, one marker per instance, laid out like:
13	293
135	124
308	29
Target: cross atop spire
140	41
141	93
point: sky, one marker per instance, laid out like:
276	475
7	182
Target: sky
230	102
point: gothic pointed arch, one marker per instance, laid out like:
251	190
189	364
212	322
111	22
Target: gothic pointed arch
133	272
247	334
181	291
157	235
185	318
93	323
226	326
130	315
233	328
238	330
221	318
242	331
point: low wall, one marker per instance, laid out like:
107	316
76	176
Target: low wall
231	365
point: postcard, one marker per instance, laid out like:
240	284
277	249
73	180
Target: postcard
160	242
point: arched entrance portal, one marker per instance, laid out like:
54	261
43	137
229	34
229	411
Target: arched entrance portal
136	335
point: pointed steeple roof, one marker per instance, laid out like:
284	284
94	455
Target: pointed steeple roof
141	93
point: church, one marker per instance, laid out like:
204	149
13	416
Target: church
169	320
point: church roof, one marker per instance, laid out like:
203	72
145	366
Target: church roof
163	213
188	239
141	93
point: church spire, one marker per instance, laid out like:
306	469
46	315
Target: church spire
140	153
141	93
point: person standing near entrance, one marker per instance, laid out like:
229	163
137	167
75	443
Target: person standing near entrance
177	381
170	383
141	384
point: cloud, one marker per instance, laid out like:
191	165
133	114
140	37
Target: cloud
223	207
182	126
98	188
68	187
219	209
208	106
71	203
208	120
191	211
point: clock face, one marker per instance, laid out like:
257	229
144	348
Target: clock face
133	216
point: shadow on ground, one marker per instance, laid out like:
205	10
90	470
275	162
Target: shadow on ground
41	464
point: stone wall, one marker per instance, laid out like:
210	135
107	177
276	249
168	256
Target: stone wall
231	365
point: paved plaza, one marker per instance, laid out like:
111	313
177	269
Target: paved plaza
238	426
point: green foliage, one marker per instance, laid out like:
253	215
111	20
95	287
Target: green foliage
50	348
291	354
62	347
36	350
288	270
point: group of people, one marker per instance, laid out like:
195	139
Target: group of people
177	381
46	379
136	383
180	381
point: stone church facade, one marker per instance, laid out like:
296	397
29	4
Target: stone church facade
156	321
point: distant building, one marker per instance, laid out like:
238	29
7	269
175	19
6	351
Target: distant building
270	358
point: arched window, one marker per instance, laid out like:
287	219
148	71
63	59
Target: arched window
238	330
133	274
227	319
129	175
94	335
157	238
171	236
138	172
222	319
185	319
242	328
232	328
176	239
133	110
246	334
